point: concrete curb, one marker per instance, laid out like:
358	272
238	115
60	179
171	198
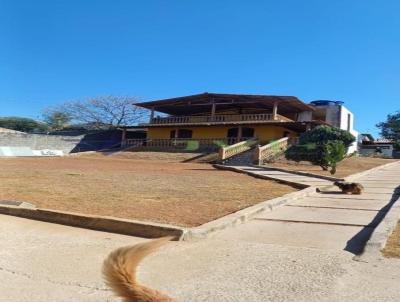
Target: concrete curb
99	223
243	215
331	178
238	170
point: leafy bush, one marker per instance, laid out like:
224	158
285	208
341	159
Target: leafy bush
322	134
333	152
396	146
324	146
307	152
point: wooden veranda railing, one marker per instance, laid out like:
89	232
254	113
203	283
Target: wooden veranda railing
269	151
193	119
229	151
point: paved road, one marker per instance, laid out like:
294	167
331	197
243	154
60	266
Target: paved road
273	258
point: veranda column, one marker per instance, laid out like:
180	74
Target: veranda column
123	138
239	136
213	111
151	115
275	111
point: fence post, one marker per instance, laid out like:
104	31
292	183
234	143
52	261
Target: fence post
257	155
221	153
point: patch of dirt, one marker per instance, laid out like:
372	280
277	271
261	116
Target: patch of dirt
392	248
186	194
345	168
164	156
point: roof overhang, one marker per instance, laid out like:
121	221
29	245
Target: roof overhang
201	103
294	126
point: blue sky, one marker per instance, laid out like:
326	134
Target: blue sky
53	51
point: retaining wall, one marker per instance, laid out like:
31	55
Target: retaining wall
40	141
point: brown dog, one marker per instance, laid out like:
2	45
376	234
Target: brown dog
349	187
119	271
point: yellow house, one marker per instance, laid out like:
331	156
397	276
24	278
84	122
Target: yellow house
211	120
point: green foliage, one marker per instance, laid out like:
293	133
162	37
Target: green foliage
390	129
322	134
307	152
333	152
22	124
324	146
396	146
56	120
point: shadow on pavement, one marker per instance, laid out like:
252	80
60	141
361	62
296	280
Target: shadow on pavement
357	243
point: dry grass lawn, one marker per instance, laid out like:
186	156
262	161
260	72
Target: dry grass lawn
392	248
345	168
130	186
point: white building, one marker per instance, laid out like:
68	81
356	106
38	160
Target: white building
337	115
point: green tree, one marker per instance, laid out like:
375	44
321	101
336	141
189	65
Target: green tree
323	134
56	120
22	124
324	146
333	152
390	129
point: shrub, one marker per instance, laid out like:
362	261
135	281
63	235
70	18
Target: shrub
307	152
322	134
333	152
324	146
396	146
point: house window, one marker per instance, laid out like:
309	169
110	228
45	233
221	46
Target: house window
233	132
348	121
182	133
185	133
246	132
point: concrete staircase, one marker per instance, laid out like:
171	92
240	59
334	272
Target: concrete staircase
245	158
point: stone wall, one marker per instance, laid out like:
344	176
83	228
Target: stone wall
40	141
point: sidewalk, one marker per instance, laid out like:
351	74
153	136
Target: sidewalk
326	220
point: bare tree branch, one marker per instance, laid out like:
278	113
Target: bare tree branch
103	111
